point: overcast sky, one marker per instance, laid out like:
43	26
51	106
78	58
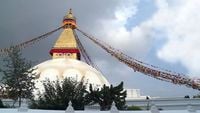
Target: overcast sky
160	32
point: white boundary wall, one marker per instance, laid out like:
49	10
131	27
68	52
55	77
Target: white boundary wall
177	103
59	111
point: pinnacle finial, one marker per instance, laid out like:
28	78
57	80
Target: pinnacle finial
69	15
69	109
113	108
70	11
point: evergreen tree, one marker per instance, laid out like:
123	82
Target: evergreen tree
18	76
106	96
57	95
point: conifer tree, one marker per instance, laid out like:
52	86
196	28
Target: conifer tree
18	77
106	96
57	95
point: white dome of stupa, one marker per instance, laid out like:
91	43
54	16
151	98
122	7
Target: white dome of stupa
58	69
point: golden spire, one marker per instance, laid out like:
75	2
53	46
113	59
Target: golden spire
66	45
70	11
69	20
70	15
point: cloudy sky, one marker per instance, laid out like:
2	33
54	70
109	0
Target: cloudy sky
160	32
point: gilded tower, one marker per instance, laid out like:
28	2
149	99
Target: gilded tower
66	45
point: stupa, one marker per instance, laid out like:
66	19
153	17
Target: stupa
66	60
